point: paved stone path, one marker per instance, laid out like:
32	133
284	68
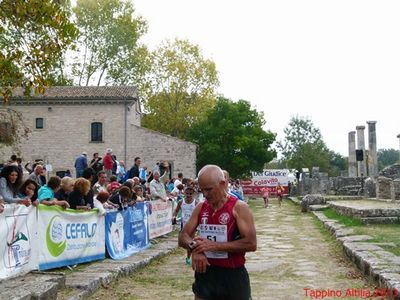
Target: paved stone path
293	254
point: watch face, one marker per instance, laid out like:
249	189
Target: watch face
192	244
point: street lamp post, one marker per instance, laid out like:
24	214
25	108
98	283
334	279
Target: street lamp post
398	136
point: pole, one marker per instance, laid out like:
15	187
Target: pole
398	136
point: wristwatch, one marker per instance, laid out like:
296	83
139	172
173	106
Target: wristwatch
192	245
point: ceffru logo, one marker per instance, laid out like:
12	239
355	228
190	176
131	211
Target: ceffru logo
55	238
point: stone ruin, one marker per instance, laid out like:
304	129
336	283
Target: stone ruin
388	183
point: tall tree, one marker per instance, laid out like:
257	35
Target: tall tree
387	157
108	44
180	88
34	35
232	137
303	145
337	163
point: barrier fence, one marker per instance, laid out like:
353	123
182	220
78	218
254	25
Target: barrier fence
50	237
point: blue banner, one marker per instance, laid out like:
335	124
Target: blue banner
127	231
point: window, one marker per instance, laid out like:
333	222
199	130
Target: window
97	132
5	132
39	123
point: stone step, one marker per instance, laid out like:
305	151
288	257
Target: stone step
381	220
317	207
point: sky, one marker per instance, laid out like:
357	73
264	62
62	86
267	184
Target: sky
334	62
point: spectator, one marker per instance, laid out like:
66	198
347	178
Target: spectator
134	170
10	181
1	204
108	162
36	175
138	189
178	191
29	189
178	180
143	174
76	198
88	174
121	171
81	164
67	186
13	161
101	184
96	165
113	185
123	198
157	186
115	165
19	164
100	202
46	193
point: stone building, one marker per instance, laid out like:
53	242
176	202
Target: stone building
65	121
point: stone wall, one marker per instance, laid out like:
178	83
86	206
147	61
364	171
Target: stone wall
395	189
155	146
383	188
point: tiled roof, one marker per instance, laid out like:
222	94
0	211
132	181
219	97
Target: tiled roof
82	93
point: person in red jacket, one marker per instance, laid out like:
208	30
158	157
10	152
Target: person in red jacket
108	162
226	232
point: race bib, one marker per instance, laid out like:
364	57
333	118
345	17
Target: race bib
216	233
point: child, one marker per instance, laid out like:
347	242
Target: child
187	205
265	195
46	193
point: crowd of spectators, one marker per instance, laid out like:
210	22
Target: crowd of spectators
97	185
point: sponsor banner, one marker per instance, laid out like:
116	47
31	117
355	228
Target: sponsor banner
127	231
266	178
69	237
160	218
18	242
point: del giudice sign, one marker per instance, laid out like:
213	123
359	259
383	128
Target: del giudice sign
266	179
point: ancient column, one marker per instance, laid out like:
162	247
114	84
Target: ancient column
372	154
362	166
352	154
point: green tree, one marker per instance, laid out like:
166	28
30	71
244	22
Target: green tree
33	37
337	163
387	157
232	137
179	89
303	146
108	45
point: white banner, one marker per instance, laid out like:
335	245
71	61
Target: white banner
68	237
267	178
160	218
18	240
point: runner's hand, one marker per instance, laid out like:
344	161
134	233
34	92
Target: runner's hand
203	244
199	262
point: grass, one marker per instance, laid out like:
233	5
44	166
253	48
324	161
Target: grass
381	234
345	220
